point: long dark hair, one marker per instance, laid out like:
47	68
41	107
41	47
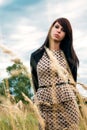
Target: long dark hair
67	43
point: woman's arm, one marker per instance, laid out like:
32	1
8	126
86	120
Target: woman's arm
74	73
34	72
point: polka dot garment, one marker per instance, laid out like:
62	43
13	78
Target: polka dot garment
57	104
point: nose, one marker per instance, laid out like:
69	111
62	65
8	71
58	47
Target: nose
59	30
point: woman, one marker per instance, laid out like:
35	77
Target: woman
57	104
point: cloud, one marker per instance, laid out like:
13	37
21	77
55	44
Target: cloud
5	2
25	25
70	9
2	2
80	39
25	36
1	38
82	91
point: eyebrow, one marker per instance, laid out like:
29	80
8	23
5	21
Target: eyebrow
58	24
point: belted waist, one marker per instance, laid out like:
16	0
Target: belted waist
61	83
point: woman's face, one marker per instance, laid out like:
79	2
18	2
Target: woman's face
57	32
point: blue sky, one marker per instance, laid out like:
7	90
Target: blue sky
24	25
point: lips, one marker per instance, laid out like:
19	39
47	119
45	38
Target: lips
56	35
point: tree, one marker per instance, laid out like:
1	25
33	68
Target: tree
2	88
19	81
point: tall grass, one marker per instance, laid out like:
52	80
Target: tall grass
17	117
27	117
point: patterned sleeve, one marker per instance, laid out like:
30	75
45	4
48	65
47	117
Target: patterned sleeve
33	72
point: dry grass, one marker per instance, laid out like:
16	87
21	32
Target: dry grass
17	116
21	117
36	112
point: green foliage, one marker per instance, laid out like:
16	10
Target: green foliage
14	67
17	82
2	88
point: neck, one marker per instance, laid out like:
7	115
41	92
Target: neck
54	45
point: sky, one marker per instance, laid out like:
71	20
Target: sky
24	25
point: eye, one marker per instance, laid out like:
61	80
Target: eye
56	26
63	29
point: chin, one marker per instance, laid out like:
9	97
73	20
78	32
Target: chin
56	40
